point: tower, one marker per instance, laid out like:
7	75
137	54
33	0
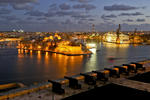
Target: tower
93	28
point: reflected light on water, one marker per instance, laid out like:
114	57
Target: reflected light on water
44	66
93	50
26	51
92	45
113	45
31	53
91	64
20	54
38	57
22	51
46	60
19	51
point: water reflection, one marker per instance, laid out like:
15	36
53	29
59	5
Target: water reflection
31	66
31	53
116	54
113	45
46	59
39	57
50	65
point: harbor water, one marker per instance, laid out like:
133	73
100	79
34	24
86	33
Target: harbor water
29	67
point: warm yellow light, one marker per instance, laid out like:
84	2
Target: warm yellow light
46	53
46	48
59	38
92	45
51	37
39	52
30	47
109	39
46	38
25	47
19	51
39	47
26	51
31	51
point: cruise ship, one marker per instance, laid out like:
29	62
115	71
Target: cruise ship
121	38
113	38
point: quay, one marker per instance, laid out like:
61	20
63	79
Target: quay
125	80
51	51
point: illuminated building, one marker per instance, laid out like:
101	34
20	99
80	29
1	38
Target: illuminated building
75	47
112	38
64	47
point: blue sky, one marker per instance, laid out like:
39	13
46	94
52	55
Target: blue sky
74	15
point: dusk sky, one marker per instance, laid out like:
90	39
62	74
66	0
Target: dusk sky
74	15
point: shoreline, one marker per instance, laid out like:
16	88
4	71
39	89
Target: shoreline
86	53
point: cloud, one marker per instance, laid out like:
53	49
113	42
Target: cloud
43	18
147	16
81	22
82	1
64	6
35	13
128	20
81	16
50	14
108	17
140	20
84	6
18	1
91	19
67	13
64	10
10	18
22	6
5	11
18	4
122	7
131	14
68	21
29	18
53	7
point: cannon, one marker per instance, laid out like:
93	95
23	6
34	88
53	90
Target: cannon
113	72
102	75
73	83
131	67
122	69
139	65
57	87
90	80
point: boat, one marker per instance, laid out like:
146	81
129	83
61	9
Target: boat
111	37
121	38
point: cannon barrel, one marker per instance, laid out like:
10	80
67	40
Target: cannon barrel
122	69
57	87
73	83
131	67
102	75
90	80
113	72
138	65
